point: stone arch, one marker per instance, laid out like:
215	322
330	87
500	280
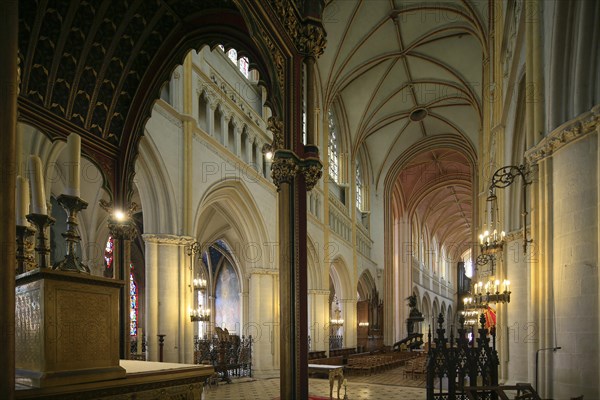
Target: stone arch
314	277
229	210
427	312
156	191
341	278
366	285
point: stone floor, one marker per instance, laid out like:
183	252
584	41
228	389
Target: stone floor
389	385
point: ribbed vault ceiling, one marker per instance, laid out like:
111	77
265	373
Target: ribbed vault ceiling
402	72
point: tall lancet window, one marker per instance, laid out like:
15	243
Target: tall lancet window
359	188
133	303
108	255
333	150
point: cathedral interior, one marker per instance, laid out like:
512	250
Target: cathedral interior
274	188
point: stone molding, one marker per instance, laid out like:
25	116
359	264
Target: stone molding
167	114
263	271
565	134
516	235
322	292
165	238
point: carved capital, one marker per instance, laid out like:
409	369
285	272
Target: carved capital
287	165
284	169
311	41
312	172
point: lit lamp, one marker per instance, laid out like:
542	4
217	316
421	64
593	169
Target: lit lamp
268	151
199	284
490	292
337	321
363	324
200	314
492	242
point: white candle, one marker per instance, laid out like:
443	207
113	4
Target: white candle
22	203
73	165
38	193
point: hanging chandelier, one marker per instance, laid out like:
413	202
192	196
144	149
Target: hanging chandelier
337	321
484	294
199	285
491	241
200	314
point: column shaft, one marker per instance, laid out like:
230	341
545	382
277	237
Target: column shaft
293	290
8	122
310	100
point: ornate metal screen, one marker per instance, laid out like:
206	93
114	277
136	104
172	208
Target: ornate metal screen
453	365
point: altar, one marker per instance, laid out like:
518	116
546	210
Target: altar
143	380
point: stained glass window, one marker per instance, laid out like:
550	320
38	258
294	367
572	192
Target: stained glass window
232	55
244	66
359	187
108	253
334	168
133	299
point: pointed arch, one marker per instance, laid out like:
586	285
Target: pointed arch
315	280
341	278
366	285
229	210
157	194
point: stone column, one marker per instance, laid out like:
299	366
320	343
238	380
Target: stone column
225	127
261	310
8	122
319	329
176	92
211	106
259	157
167	296
223	132
248	155
151	300
350	324
238	138
123	233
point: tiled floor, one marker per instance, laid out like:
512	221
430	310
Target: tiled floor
387	385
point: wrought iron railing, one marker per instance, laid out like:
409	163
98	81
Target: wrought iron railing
455	365
230	356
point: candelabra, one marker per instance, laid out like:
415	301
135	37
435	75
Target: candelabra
23	259
41	222
72	205
469	317
492	242
488	293
337	321
200	314
200	286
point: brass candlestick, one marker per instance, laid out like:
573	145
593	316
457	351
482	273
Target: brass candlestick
23	259
41	222
72	205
